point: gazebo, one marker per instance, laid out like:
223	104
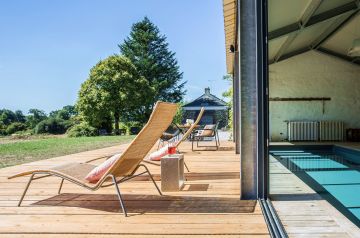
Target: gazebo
216	110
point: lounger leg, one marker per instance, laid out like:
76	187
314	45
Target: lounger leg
61	184
119	195
26	188
216	142
147	170
186	167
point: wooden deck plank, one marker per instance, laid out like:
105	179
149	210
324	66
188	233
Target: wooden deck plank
47	235
208	205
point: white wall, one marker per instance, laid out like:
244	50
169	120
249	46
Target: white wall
314	74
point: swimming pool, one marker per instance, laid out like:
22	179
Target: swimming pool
332	171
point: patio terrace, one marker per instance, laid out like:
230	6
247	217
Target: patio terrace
209	203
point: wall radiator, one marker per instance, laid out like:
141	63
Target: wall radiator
332	131
303	131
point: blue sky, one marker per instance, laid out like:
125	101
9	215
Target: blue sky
48	47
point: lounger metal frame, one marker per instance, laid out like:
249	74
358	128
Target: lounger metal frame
99	185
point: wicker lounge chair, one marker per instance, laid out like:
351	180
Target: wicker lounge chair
209	131
124	168
172	133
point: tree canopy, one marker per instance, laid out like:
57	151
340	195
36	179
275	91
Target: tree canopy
113	88
7	116
65	113
148	50
35	116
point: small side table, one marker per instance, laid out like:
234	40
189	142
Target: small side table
172	172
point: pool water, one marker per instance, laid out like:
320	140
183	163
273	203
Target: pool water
332	171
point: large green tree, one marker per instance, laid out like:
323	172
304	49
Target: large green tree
113	88
148	50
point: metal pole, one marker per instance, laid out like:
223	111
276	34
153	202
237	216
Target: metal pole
237	106
249	110
234	119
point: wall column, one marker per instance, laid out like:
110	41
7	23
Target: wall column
236	100
248	97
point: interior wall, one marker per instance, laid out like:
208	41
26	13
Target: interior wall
313	74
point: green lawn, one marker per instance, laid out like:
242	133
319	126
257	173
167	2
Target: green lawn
37	149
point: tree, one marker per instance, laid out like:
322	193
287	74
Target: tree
148	50
20	117
7	116
113	88
65	113
229	94
35	116
178	118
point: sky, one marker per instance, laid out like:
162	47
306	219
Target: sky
48	47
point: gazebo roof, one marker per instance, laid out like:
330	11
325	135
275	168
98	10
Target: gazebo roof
207	100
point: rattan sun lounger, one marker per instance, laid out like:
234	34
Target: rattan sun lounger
124	168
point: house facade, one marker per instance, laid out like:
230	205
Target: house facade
216	110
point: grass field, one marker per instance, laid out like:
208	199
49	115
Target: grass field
31	150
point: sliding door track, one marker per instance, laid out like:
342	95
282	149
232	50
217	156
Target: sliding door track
273	222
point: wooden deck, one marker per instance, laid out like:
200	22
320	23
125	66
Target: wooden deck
208	205
301	210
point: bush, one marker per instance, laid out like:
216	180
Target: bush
15	127
52	126
22	134
131	127
82	129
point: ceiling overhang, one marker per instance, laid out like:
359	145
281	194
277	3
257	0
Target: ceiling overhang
229	7
296	27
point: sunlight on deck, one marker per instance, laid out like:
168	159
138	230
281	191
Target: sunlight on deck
208	204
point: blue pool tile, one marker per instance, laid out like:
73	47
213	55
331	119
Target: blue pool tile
314	163
300	156
287	154
348	195
287	151
336	177
356	212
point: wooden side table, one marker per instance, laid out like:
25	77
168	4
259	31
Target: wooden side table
172	172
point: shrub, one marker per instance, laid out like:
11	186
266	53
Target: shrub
82	129
52	126
132	127
15	127
22	134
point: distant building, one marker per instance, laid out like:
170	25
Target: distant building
216	110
